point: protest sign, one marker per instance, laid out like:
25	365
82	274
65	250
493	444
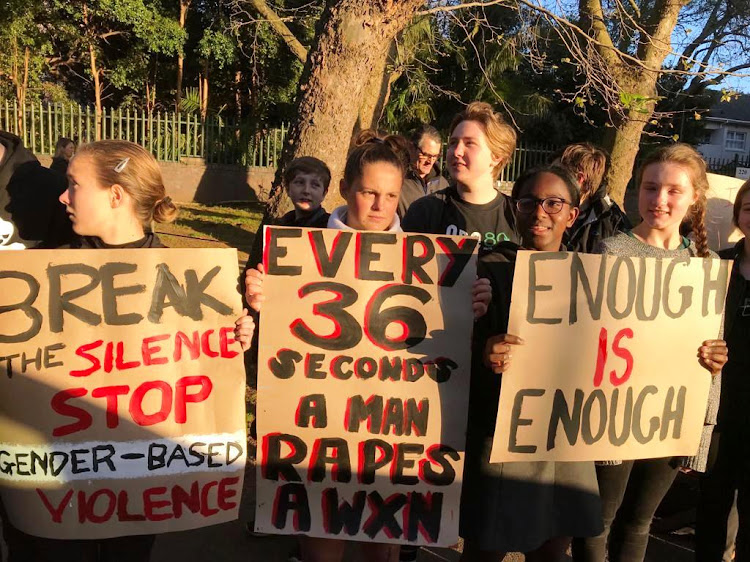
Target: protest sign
121	391
609	369
363	381
720	231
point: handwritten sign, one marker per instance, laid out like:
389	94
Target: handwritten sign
610	365
121	391
722	192
363	384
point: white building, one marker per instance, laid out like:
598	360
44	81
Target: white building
727	132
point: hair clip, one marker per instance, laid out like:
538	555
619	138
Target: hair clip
121	166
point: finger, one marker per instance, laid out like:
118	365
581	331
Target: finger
515	340
261	268
711	343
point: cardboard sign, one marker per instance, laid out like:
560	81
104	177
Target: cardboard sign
363	384
609	369
121	391
719	205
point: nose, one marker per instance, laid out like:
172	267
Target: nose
539	211
65	197
458	149
377	202
661	196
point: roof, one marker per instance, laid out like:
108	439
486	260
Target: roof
736	110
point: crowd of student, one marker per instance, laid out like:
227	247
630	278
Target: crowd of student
390	184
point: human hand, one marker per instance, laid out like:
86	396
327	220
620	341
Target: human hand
498	351
481	295
254	287
244	330
712	356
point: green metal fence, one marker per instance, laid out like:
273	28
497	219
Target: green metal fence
170	136
174	136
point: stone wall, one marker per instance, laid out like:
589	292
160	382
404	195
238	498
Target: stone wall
193	181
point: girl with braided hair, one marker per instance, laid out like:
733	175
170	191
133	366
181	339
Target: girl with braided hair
672	189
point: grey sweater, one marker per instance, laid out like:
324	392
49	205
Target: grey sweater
624	244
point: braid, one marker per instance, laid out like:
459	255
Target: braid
698	220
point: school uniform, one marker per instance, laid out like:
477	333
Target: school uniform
728	474
515	507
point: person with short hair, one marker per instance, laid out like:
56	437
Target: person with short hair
529	507
600	217
305	180
423	177
480	145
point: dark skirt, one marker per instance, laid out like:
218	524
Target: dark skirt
517	506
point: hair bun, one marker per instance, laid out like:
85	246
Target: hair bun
165	210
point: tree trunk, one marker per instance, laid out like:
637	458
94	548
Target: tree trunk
95	73
184	5
623	145
203	89
351	42
377	92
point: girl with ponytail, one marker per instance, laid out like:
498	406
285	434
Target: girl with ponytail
672	189
115	192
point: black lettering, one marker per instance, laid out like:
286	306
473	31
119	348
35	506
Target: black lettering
384	515
534	288
718	285
62	302
338	457
292	498
359	410
627	417
686	292
375	454
110	293
366	256
614	275
284	364
578	272
273	251
459	255
637	414
673	414
329	263
588	437
277	467
413	264
24	306
342	516
424	516
516	420
561	414
312	406
640	307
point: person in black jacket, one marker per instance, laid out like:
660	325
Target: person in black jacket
115	192
306	180
729	470
64	151
423	177
30	213
600	216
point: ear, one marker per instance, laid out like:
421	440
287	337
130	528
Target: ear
343	189
117	195
573	216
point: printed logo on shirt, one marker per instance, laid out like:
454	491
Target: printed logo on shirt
745	308
488	240
6	234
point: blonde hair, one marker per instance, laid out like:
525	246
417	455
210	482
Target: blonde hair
501	137
690	159
588	160
131	166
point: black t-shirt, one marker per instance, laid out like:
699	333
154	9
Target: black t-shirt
738	341
446	213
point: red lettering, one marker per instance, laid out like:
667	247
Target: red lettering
225	341
60	405
192	500
180	407
206	344
55	512
622	353
120	362
122	509
91	506
148	350
95	363
194	346
150	505
136	403
111	393
225	492
205	510
601	358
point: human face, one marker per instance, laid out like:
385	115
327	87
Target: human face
665	196
373	198
306	192
429	152
470	159
743	218
69	151
539	229
87	203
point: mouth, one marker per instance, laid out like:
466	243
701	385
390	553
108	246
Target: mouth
659	212
539	229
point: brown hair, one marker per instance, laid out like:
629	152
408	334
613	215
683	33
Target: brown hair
131	166
307	165
371	147
588	160
687	157
501	137
62	142
744	189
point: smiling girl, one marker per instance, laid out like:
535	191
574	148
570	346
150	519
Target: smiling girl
672	189
529	507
